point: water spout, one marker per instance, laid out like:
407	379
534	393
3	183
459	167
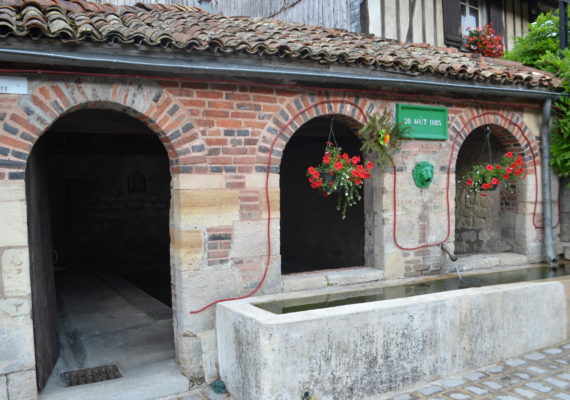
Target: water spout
453	258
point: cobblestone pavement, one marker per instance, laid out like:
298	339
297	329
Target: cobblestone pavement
542	374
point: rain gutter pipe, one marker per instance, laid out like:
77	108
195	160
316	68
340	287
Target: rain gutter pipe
226	68
546	182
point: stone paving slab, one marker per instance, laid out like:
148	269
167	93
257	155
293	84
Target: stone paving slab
540	375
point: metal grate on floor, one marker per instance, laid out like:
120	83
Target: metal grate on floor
90	375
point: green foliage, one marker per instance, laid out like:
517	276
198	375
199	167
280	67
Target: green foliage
381	134
560	146
542	38
540	49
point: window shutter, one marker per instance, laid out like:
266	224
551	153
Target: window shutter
452	23
496	14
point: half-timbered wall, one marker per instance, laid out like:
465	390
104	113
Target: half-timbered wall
422	21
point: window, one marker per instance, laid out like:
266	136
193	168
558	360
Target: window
459	15
472	15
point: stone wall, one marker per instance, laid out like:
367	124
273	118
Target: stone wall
219	138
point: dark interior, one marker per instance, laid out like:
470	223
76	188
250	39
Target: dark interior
313	235
109	194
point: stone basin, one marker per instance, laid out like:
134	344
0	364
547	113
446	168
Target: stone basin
364	350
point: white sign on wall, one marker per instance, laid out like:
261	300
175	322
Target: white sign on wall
13	85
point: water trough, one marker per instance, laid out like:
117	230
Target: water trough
358	344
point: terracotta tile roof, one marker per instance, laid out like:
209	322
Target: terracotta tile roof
192	29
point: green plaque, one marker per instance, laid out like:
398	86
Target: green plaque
424	122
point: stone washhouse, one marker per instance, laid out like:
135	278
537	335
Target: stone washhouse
159	152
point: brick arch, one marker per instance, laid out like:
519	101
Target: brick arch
285	122
512	133
142	100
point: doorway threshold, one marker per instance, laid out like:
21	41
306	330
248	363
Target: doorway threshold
107	321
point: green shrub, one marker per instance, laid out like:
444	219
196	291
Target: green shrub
540	49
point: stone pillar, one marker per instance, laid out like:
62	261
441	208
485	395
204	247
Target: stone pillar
17	361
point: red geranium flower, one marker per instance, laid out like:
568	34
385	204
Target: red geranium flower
495	181
506	176
355	160
337	165
489	167
469	182
508	154
327	158
369	165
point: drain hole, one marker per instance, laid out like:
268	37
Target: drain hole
90	375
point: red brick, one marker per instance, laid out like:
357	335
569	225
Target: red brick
207	94
249	198
206	123
197	159
221	104
264	99
216	141
219	160
192	103
229	123
181	92
60	95
39	103
218	253
270	108
249	207
215	113
15	143
243	114
234	150
240	160
161	107
245	169
238	96
235	185
24	123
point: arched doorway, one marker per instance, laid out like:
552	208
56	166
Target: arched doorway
98	189
486	223
313	235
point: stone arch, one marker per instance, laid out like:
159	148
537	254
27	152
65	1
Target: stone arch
352	111
493	227
146	101
515	135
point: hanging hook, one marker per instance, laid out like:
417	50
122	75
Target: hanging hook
331	133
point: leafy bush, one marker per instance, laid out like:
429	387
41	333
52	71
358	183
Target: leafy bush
542	38
540	49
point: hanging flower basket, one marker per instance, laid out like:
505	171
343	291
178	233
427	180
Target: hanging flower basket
487	177
381	135
339	174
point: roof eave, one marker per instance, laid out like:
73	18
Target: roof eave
164	61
